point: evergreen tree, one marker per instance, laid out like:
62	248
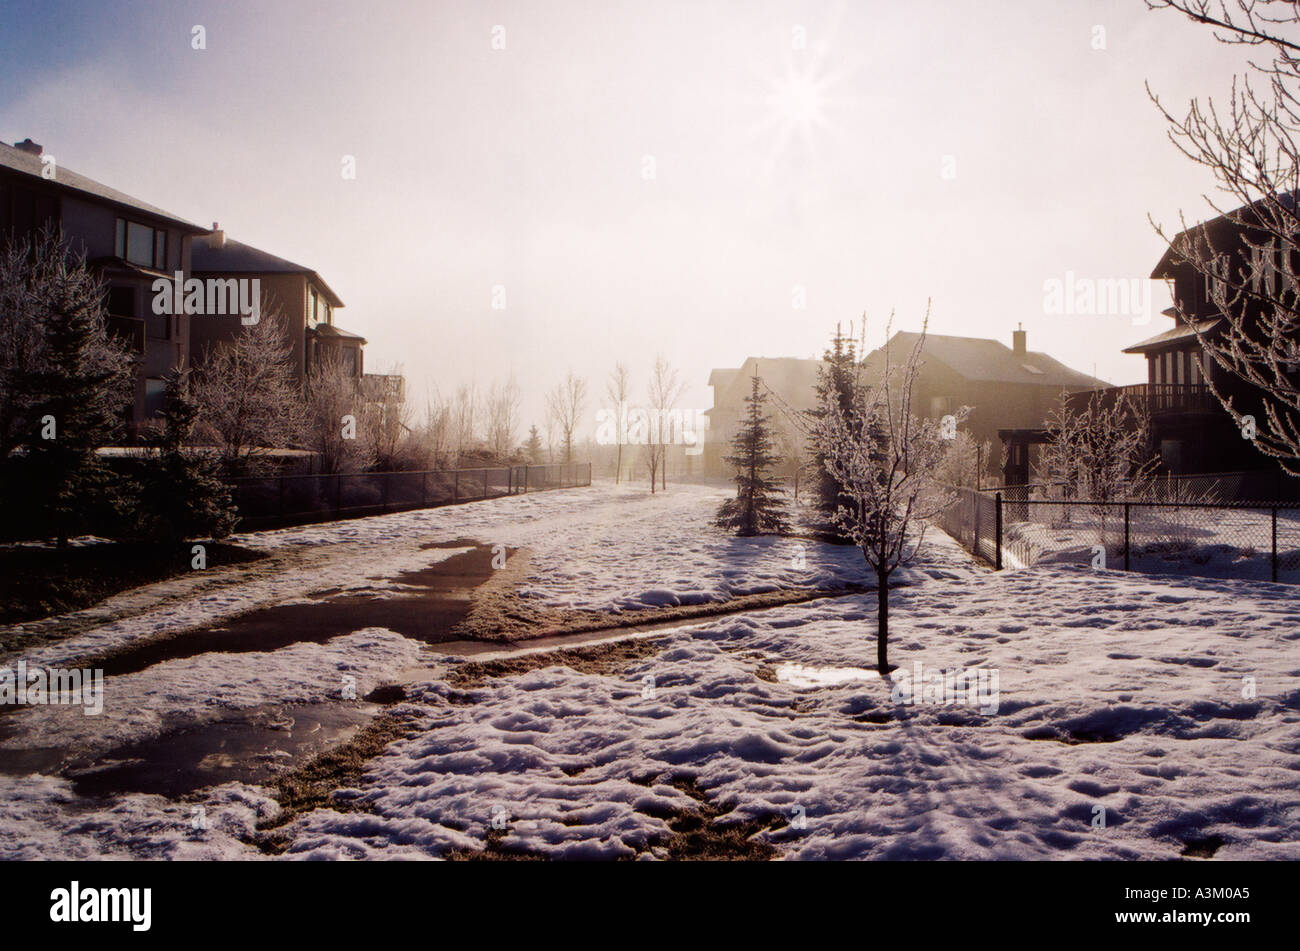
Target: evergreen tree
758	508
183	495
839	389
78	395
533	448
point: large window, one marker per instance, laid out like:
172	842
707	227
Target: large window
141	244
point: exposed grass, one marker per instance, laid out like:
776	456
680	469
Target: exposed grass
313	784
606	659
37	582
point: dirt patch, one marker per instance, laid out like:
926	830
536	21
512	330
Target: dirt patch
700	835
425	605
605	659
1203	848
40	582
504	617
313	784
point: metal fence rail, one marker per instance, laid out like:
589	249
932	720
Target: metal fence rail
1259	542
271	500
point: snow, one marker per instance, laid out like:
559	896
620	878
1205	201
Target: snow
1168	705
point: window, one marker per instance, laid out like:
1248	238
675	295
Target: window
121	301
140	244
154	391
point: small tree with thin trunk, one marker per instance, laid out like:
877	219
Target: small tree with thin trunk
664	390
880	455
565	404
618	390
247	394
758	508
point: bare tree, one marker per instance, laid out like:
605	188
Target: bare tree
881	456
433	438
503	420
464	423
248	397
565	404
664	391
330	421
386	422
1251	147
618	390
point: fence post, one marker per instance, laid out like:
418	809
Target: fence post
997	540
338	493
424	489
384	497
1126	545
281	505
525	478
455	487
485	485
1274	543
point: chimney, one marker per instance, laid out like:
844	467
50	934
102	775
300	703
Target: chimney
218	237
28	146
1018	340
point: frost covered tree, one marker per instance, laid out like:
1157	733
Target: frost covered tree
330	400
533	448
758	508
880	456
565	404
181	492
64	384
1100	452
1250	145
503	419
248	398
664	391
618	389
839	384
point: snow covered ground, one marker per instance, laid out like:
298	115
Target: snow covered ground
1134	714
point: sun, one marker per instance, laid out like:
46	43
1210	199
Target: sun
798	100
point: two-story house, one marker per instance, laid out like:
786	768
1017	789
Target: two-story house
130	243
296	292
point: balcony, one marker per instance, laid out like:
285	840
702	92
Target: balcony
382	387
1157	399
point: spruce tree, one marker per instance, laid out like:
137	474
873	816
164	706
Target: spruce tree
758	508
183	495
78	397
533	448
838	384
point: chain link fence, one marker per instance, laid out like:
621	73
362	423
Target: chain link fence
273	500
1013	529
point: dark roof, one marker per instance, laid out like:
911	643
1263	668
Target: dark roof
1181	332
28	163
236	258
1231	219
329	330
990	361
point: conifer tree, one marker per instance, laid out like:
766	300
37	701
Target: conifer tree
183	495
758	507
77	397
533	448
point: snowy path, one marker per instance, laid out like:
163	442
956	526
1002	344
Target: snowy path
1118	693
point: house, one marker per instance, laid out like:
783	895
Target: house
1190	430
788	380
130	243
1004	386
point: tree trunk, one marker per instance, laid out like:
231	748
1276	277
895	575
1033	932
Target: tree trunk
882	624
618	466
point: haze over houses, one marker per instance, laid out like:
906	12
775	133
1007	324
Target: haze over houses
133	246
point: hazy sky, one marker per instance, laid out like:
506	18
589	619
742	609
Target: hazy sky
829	168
